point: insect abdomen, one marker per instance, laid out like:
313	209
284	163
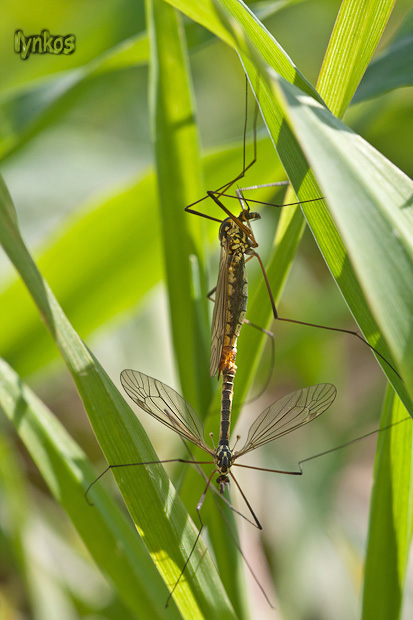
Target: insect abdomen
237	296
226	404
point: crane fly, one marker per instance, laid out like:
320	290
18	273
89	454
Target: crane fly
236	239
230	306
283	416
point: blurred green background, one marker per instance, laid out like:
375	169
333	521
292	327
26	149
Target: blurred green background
77	157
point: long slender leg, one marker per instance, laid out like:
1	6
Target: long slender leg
259	526
274	471
109	467
334	329
300	472
267	382
343	331
241	198
352	441
245	166
233	217
274	309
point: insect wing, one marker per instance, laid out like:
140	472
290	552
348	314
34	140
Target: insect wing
219	315
164	404
287	414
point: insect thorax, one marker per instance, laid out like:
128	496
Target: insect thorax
233	238
223	459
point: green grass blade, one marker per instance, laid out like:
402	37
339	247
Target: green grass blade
179	184
378	235
13	491
391	513
152	502
67	473
355	36
179	180
393	68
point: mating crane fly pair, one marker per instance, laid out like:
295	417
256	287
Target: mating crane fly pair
283	416
168	407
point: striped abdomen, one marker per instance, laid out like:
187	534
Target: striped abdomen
237	295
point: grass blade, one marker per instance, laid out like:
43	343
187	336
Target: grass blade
66	471
355	36
377	237
179	183
390	531
393	67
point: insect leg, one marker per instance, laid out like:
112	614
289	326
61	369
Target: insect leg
258	524
109	467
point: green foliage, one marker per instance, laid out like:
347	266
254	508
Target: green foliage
104	262
67	472
390	531
392	68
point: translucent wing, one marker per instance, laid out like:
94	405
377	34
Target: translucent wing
219	316
287	414
164	404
